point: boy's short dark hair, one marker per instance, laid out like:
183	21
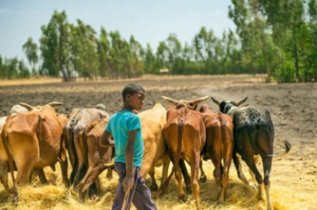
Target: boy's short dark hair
131	89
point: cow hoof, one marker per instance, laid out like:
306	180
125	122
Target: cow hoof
154	187
203	179
15	200
188	189
182	198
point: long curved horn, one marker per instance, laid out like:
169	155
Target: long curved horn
215	100
173	101
27	106
54	103
241	101
198	100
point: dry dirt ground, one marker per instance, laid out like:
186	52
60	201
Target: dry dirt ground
292	106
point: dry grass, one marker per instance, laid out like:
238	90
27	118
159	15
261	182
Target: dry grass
292	189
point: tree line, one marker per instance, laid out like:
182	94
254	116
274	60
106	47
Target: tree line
273	37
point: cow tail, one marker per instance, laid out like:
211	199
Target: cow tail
223	124
180	126
5	140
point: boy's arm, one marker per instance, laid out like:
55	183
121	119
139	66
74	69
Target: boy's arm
129	153
128	180
105	141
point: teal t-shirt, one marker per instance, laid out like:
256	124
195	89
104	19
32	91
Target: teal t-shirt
119	126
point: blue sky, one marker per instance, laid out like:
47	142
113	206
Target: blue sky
148	20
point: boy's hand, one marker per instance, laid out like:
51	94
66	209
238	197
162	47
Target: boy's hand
128	183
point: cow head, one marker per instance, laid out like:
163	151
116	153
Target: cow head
225	106
192	104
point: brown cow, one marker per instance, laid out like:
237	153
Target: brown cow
184	135
219	145
32	141
152	122
75	133
98	158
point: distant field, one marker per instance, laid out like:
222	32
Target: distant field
292	106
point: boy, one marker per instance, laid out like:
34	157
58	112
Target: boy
125	128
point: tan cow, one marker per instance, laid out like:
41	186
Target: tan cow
3	156
32	141
152	123
184	135
219	146
75	132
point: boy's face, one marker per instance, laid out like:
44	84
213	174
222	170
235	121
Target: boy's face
136	100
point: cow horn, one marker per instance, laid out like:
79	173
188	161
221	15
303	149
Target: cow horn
27	106
173	101
198	100
101	107
241	101
215	100
54	103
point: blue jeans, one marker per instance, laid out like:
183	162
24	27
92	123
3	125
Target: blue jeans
142	198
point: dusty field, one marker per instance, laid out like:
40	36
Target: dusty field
294	112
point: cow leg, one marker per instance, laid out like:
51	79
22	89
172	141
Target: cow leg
64	167
194	180
90	179
250	162
109	173
41	174
267	164
166	164
62	159
82	168
237	164
93	190
4	174
153	186
187	179
178	175
203	177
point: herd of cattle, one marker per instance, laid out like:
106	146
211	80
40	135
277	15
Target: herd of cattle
36	137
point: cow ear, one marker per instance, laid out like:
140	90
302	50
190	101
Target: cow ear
241	101
54	103
170	100
27	106
215	101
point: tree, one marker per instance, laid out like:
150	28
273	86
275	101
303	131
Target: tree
30	49
84	46
288	26
103	52
55	47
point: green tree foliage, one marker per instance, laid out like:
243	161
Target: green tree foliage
30	49
12	68
55	47
84	50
